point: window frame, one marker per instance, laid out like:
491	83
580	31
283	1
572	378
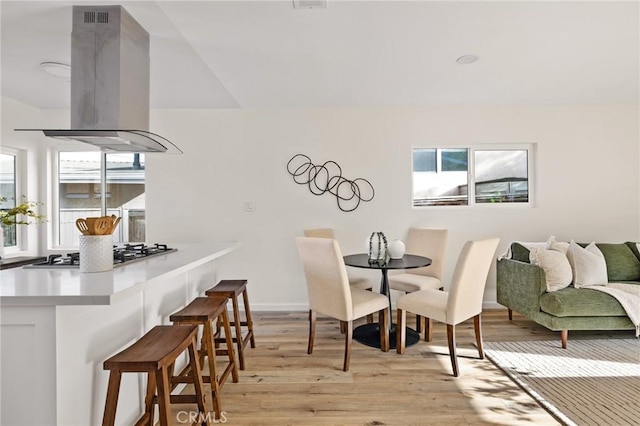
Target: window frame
54	163
20	174
530	148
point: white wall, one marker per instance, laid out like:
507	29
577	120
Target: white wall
587	186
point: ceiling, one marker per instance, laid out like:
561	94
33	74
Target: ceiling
266	54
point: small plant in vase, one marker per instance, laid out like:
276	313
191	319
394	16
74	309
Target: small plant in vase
21	214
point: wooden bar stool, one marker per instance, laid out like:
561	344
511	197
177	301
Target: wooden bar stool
230	289
154	354
204	311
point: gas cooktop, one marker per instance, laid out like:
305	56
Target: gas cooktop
122	254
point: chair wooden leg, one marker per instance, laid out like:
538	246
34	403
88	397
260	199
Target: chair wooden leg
347	345
384	330
151	392
196	373
428	330
113	390
247	314
510	315
477	326
163	385
312	330
229	343
343	327
451	337
213	379
370	316
418	323
238	329
564	337
401	331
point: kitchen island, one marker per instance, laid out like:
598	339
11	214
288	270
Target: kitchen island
57	326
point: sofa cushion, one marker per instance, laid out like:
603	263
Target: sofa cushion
622	264
580	302
519	253
635	248
588	264
557	269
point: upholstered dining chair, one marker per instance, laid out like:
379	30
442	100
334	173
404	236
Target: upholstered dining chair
354	281
330	294
429	242
461	302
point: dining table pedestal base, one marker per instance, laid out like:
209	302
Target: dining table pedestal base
369	334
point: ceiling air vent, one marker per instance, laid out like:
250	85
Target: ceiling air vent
309	4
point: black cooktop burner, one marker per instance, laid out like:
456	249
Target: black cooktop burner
122	253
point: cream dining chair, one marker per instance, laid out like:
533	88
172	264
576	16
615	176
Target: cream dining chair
461	302
354	281
330	294
429	242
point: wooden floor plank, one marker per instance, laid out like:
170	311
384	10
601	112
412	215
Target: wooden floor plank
283	385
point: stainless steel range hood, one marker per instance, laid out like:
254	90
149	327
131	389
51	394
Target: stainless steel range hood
110	83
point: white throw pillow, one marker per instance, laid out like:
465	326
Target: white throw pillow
557	245
555	264
588	264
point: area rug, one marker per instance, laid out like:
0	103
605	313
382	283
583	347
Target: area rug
592	382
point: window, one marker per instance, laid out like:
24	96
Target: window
81	189
472	176
8	192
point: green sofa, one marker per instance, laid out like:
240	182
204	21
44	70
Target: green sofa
521	287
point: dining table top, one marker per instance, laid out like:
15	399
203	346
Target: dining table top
408	261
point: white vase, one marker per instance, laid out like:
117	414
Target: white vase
396	249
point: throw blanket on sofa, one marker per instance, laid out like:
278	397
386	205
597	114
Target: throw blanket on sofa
629	297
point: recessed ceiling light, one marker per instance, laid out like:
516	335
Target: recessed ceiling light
467	59
57	69
309	4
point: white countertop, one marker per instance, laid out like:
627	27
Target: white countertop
51	287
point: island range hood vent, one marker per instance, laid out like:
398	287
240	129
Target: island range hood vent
110	83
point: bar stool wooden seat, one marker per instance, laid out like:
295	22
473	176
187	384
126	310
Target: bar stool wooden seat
154	354
231	289
205	311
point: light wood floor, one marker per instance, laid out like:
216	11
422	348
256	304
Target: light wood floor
282	385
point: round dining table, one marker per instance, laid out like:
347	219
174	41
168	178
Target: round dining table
369	334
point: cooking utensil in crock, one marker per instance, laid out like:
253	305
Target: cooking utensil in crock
102	225
82	226
115	223
90	221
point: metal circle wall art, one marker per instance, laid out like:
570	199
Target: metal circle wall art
327	178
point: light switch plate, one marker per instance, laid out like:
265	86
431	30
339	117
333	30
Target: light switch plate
248	206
